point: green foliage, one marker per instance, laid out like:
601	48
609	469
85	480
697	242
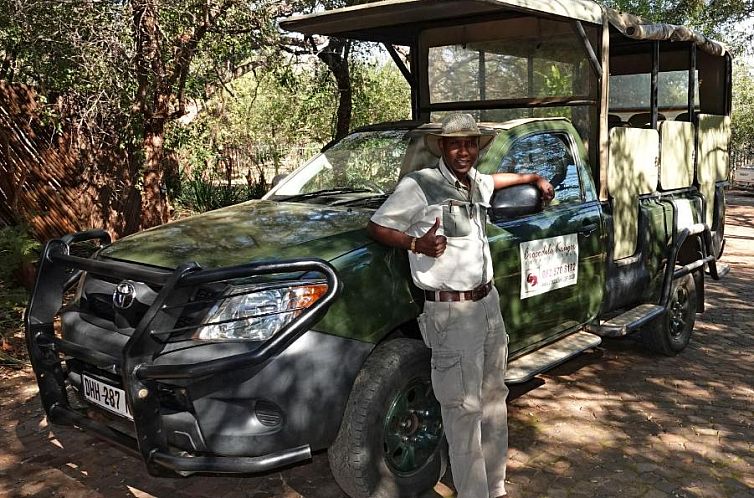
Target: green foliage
291	106
12	304
743	109
17	249
205	192
76	51
556	82
380	93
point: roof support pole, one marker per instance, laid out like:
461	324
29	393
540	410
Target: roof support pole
596	66
407	74
692	102
654	87
728	84
530	81
401	65
416	72
482	80
692	83
604	140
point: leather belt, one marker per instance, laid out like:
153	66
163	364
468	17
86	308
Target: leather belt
470	295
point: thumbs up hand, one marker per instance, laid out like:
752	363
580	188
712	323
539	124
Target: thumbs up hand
430	243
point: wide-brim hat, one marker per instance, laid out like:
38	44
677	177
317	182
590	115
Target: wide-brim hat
457	124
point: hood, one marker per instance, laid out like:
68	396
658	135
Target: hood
254	230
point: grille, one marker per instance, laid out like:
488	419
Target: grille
101	305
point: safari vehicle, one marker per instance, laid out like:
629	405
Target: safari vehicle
245	338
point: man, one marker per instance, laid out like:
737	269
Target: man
439	215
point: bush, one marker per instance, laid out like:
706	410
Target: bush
12	303
18	250
206	192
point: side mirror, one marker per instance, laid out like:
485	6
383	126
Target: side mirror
518	200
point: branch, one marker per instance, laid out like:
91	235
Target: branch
223	83
188	43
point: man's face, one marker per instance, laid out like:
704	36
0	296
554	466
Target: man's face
460	153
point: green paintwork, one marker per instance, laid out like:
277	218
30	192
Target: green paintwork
251	231
536	319
377	294
265	230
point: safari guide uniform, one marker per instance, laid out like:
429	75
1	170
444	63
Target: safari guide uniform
461	323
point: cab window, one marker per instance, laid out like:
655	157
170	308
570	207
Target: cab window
550	156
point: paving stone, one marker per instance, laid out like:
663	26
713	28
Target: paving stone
557	492
655	493
647	467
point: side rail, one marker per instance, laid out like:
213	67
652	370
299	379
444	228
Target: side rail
59	271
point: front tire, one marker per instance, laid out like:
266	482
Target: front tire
671	334
391	439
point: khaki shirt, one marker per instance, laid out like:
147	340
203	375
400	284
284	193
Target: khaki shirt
424	195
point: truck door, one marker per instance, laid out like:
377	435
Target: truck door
549	267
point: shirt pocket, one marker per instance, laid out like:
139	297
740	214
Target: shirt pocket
455	220
447	377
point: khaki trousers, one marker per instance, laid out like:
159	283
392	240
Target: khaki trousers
469	355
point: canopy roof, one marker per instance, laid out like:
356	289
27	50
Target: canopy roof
399	21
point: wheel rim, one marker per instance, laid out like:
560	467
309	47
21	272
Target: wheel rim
412	428
679	312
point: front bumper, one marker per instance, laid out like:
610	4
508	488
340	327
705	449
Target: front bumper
184	465
141	375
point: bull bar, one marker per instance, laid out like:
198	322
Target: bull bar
59	270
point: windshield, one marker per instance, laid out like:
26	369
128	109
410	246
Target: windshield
365	162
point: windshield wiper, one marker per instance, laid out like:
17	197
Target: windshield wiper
377	197
327	191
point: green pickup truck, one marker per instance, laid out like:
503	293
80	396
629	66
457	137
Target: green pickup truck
243	339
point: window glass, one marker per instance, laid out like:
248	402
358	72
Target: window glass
364	160
507	59
549	155
631	93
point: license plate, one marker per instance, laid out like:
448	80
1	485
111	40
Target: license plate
109	397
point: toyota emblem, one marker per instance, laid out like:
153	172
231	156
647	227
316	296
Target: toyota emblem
124	295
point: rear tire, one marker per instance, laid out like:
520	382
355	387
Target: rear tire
391	440
671	334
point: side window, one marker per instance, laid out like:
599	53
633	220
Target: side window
549	155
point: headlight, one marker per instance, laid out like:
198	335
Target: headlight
253	313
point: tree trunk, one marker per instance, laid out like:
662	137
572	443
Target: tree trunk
154	206
152	97
335	56
345	103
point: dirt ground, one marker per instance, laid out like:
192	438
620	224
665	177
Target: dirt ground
617	421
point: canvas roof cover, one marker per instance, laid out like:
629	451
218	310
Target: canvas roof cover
399	21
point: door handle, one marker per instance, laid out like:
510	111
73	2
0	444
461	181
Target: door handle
588	230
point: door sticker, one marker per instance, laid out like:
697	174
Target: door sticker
548	264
